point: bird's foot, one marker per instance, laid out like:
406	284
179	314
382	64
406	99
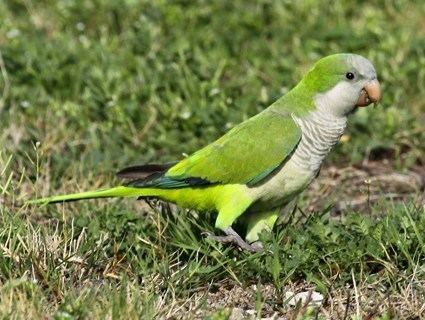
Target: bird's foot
232	237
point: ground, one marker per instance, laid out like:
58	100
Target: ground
88	87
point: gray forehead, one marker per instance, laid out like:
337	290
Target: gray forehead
362	66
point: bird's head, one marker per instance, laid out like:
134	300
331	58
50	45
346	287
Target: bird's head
341	82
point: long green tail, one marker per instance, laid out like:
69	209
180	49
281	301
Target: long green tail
103	193
208	198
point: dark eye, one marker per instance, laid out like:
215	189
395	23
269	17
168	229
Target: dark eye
349	75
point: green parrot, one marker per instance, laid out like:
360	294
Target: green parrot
257	168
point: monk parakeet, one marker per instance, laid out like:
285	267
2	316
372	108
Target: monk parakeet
262	164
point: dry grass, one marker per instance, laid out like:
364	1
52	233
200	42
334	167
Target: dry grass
89	87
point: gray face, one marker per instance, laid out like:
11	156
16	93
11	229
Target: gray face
361	67
359	87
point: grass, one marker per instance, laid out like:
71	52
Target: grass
89	87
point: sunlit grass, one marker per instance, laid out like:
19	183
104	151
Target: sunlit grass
89	87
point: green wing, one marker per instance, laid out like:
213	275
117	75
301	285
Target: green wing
246	154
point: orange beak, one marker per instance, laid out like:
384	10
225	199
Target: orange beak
371	93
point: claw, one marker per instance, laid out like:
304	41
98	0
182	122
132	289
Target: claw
232	237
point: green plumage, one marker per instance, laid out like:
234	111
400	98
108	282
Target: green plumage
242	156
246	167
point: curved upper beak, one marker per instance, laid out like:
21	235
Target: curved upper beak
371	93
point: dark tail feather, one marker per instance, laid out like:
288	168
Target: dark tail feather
144	171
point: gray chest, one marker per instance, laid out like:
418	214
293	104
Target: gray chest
320	132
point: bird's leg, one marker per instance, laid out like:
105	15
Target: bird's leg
232	237
258	222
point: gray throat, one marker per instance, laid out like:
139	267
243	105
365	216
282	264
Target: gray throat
321	130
